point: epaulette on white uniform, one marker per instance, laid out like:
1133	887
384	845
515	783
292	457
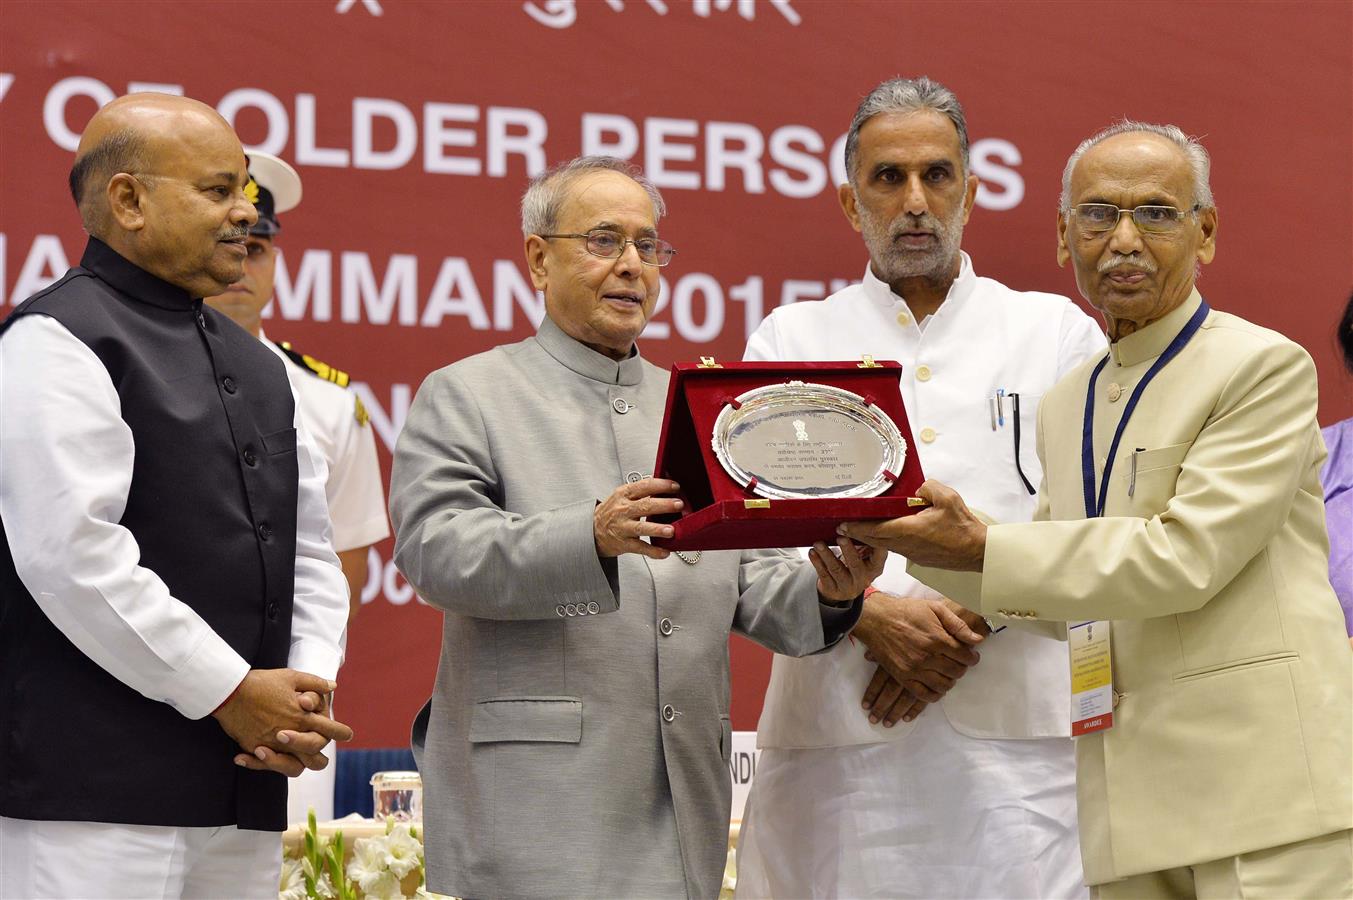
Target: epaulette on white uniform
325	372
317	368
340	427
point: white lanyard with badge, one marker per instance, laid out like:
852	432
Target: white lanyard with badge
1089	642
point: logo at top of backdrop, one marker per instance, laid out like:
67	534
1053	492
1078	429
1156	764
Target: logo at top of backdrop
563	13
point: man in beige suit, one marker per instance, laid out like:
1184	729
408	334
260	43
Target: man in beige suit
1192	521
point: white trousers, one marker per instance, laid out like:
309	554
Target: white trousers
934	814
98	860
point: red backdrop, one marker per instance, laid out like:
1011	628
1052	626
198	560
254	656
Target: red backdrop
415	125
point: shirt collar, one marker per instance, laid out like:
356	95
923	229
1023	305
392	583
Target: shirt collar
582	359
1151	341
132	280
962	288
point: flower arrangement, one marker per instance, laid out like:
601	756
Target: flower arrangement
387	866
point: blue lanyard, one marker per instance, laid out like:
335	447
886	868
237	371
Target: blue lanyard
1093	509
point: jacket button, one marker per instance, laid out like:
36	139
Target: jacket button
272	609
665	626
229	384
923	373
265	531
669	713
559	610
250	459
621	405
571	609
593	607
632	477
928	435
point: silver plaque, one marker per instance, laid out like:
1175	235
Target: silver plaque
801	440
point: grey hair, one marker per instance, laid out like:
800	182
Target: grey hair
546	193
123	150
1199	161
906	95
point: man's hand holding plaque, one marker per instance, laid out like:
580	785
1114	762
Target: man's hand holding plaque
843	576
619	526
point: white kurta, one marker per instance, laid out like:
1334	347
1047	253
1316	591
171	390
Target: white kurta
65	471
66	458
976	796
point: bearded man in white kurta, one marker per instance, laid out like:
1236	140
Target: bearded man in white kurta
868	802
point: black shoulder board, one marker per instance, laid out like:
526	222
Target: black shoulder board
314	366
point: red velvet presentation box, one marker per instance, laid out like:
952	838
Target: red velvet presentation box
720	514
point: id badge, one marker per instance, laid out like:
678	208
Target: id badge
1091	677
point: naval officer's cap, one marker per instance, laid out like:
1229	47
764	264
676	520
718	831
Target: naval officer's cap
274	187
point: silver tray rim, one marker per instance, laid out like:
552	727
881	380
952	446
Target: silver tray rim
832	397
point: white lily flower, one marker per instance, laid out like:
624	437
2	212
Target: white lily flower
403	850
368	863
292	884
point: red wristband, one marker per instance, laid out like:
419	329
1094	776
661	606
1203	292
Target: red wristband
869	590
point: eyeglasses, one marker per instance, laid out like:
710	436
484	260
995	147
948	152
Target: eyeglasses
611	245
1099	217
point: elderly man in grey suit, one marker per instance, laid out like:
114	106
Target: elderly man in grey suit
577	739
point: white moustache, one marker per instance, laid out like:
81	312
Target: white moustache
1118	261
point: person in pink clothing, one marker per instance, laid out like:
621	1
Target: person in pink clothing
1336	477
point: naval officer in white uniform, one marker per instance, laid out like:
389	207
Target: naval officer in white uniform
333	415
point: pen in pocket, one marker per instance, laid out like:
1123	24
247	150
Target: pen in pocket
1132	478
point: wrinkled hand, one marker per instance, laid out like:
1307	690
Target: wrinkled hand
297	759
279	717
844	577
265	759
945	536
921	644
973	620
887	701
617	523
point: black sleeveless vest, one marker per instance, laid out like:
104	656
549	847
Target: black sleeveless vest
212	506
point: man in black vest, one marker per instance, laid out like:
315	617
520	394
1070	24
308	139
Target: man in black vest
171	612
